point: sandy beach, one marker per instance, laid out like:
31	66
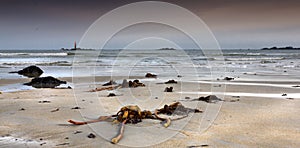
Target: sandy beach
38	117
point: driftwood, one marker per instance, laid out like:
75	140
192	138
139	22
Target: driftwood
104	88
133	114
167	120
109	83
125	84
120	135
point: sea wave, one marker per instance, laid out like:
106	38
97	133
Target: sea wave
254	58
34	54
41	63
243	54
203	58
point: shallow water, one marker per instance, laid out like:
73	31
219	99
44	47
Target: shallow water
264	95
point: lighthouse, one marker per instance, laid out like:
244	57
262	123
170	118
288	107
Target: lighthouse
75	45
74	48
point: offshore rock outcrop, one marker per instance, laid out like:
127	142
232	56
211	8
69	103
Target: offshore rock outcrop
45	82
30	72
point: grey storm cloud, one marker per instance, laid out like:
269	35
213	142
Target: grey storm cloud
236	24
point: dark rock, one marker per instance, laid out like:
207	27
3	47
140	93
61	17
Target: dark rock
218	85
31	71
195	146
228	78
136	83
42	143
209	99
22	109
77	132
111	95
150	75
177	109
131	84
187	98
236	100
179	76
91	135
111	82
45	101
45	82
296	86
76	107
284	95
168	89
171	82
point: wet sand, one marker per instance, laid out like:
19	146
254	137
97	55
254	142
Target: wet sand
39	117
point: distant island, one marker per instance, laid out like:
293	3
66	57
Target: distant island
281	48
167	49
75	47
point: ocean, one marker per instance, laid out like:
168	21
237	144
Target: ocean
189	63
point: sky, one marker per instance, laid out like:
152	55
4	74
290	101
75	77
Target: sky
55	24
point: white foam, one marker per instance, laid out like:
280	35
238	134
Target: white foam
253	58
9	141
